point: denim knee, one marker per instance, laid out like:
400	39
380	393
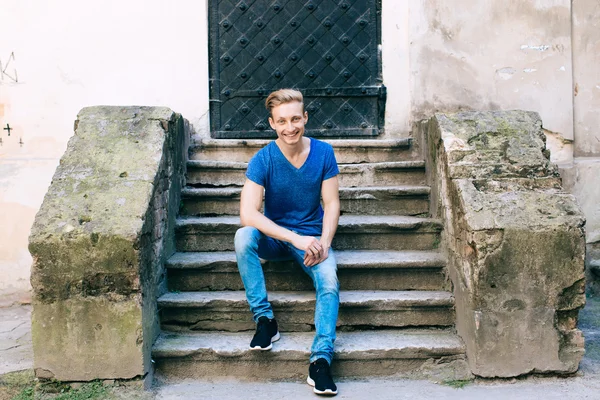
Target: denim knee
326	281
246	238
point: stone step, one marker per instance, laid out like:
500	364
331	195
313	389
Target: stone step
346	151
400	352
228	310
386	200
232	173
355	232
357	269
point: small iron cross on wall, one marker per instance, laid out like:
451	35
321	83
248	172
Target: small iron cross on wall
8	128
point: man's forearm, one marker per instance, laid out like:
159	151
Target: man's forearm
330	223
258	220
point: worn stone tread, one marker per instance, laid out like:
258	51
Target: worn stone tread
346	259
361	345
336	143
211	164
387	165
230	173
376	299
404	190
346	150
345	192
373	200
354	223
344	168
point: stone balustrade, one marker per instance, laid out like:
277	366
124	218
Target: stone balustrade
100	240
515	242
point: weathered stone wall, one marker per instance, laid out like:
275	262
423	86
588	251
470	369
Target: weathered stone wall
515	242
100	240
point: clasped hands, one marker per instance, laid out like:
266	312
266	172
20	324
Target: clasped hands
315	252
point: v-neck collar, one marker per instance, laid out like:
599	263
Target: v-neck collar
310	151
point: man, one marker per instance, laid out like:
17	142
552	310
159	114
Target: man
293	172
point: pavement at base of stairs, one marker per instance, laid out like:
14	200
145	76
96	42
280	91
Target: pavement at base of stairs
527	389
16	354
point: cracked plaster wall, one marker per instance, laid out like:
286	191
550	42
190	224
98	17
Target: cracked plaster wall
474	55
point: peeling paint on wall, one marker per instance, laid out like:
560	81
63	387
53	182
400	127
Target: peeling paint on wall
539	48
505	73
562	147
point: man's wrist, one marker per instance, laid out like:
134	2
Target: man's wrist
293	237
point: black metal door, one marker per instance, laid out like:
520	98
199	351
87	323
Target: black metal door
328	49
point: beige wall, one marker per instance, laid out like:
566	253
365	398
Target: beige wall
69	54
437	55
582	177
395	40
490	55
586	64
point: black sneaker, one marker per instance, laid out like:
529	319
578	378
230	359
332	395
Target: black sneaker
319	377
266	334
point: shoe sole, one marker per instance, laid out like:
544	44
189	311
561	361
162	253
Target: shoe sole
269	347
327	392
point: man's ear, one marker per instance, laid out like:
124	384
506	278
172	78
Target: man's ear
305	117
272	123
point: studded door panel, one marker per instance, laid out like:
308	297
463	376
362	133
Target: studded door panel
328	49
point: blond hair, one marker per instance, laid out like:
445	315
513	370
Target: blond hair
283	96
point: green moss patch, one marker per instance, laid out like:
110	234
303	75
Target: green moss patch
23	385
457	383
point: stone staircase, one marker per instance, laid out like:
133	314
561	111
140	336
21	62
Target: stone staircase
396	311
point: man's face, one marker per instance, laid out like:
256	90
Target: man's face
288	120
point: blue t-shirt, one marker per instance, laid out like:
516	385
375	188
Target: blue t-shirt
293	195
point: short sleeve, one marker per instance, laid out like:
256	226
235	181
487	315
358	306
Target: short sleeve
257	169
331	167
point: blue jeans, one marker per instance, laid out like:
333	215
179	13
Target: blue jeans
251	245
